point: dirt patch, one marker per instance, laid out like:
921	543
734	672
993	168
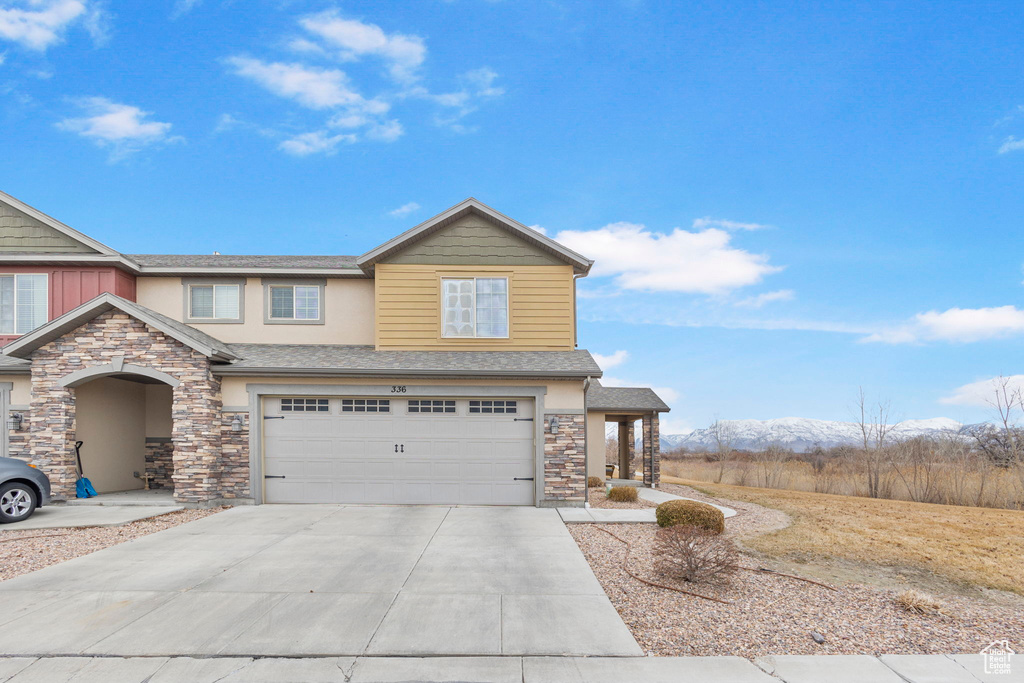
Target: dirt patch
26	551
599	499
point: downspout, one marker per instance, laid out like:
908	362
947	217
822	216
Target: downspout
586	441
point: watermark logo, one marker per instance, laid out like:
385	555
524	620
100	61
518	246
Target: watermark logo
997	657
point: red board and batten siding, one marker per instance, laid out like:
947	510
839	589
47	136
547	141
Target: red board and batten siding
71	287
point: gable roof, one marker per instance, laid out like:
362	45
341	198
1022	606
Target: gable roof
55	224
56	328
580	264
624	399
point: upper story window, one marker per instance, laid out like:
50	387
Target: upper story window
294	302
209	301
23	302
475	307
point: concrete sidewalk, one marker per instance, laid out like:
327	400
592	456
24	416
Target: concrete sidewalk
789	669
626	516
73	516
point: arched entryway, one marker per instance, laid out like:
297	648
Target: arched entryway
123	419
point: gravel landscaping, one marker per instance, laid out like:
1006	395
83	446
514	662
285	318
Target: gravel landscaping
775	615
26	551
599	499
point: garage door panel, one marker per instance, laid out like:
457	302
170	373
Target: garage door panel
349	457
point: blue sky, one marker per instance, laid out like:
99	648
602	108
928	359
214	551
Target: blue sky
786	200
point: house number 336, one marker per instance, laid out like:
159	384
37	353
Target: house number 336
398	389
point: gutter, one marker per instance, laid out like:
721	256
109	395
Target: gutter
393	373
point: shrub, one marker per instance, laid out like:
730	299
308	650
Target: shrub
693	554
690	513
595	482
623	494
917	602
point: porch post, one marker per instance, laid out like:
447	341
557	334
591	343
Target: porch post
631	444
651	451
624	450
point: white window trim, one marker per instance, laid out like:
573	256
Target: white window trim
268	284
189	283
508	306
435	413
46	292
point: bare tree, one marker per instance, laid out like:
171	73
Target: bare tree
1003	442
874	423
723	435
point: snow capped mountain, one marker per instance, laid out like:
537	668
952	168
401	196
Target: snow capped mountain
800	434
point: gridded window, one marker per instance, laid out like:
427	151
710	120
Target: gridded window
431	406
492	407
365	405
305	405
475	307
295	302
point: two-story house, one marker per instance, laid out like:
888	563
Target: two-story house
440	367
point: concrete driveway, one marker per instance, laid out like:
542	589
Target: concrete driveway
324	580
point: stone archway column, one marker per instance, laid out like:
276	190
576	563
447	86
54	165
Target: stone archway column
652	451
52	430
196	435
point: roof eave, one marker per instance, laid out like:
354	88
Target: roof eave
291	272
424	374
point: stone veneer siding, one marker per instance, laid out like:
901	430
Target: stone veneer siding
234	476
565	475
160	463
17	442
652	451
632	451
196	403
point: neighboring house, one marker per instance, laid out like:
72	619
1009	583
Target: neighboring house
440	367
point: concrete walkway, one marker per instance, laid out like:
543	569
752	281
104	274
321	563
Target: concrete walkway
620	516
67	516
823	669
140	497
319	580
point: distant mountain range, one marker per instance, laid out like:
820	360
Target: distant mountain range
801	434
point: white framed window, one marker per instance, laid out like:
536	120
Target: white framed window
365	405
474	307
294	303
305	405
24	302
214	302
431	406
491	407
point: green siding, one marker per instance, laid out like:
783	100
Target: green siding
474	241
20	232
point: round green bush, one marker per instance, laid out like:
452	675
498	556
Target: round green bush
623	494
690	513
594	482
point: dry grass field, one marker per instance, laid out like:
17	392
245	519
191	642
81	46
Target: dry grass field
969	546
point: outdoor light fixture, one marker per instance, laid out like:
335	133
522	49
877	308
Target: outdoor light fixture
236	424
553	424
14	421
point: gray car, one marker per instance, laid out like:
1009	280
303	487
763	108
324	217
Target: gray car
23	488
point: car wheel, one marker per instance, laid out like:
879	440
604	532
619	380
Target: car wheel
17	502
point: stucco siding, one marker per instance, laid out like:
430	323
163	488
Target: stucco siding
348	313
595	444
21	394
111	421
541	309
20	232
561	395
474	240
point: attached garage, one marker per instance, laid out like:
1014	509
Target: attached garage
441	450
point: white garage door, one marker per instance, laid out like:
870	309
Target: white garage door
398	451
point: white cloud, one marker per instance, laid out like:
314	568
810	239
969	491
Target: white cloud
682	261
316	142
478	85
708	222
539	228
608	362
385	131
667	394
767	297
182	7
122	127
955	325
983	392
310	86
354	39
38	24
1011	144
404	210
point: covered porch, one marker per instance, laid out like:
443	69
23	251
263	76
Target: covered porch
624	407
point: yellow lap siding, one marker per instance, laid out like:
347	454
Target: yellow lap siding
408	307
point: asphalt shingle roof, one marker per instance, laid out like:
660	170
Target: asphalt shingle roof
10	364
365	360
625	399
242	261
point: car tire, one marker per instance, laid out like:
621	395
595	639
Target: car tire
17	502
